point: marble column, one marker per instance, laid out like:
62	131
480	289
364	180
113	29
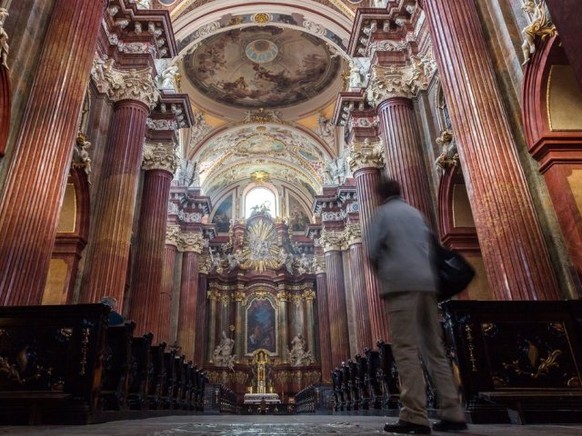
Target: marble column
309	296
323	326
213	299
332	243
512	244
191	244
240	336
357	273
366	163
36	174
167	288
201	309
403	150
159	163
107	264
283	298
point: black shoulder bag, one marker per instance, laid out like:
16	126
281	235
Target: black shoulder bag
454	273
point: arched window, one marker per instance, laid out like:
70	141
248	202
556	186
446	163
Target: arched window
260	199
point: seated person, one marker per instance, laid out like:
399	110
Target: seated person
115	318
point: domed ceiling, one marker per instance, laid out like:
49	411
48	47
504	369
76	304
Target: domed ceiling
261	67
262	80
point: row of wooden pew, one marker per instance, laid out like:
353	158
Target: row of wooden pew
65	365
514	361
138	375
368	381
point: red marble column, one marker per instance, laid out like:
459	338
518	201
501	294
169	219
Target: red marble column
191	244
159	163
336	297
36	174
362	318
108	260
514	252
201	315
167	287
324	327
404	154
366	166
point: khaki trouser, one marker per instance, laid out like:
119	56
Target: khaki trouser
416	330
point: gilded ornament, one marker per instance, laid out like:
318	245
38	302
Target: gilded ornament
261	251
367	155
191	242
173	235
160	156
353	234
541	26
132	85
332	240
262	18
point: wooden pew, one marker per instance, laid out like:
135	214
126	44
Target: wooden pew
139	373
373	378
517	361
50	363
388	376
157	377
116	367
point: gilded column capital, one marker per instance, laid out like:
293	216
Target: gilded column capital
239	296
400	81
159	156
205	264
213	295
192	242
353	234
173	235
367	155
283	296
132	85
319	265
332	240
309	295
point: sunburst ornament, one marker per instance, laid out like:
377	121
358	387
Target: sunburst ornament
260	176
261	251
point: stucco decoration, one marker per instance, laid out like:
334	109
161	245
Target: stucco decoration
276	149
261	67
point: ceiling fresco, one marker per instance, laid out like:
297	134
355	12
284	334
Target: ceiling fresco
252	142
261	67
263	81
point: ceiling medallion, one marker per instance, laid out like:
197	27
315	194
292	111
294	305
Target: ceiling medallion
261	51
262	18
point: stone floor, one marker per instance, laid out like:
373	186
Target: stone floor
297	425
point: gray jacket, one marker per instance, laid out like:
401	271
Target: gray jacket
400	248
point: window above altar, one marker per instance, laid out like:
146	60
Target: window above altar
260	200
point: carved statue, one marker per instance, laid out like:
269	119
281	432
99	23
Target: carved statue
3	39
81	158
168	78
540	26
449	155
298	356
286	260
222	355
355	75
144	4
325	127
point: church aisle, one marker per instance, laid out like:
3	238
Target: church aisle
233	425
